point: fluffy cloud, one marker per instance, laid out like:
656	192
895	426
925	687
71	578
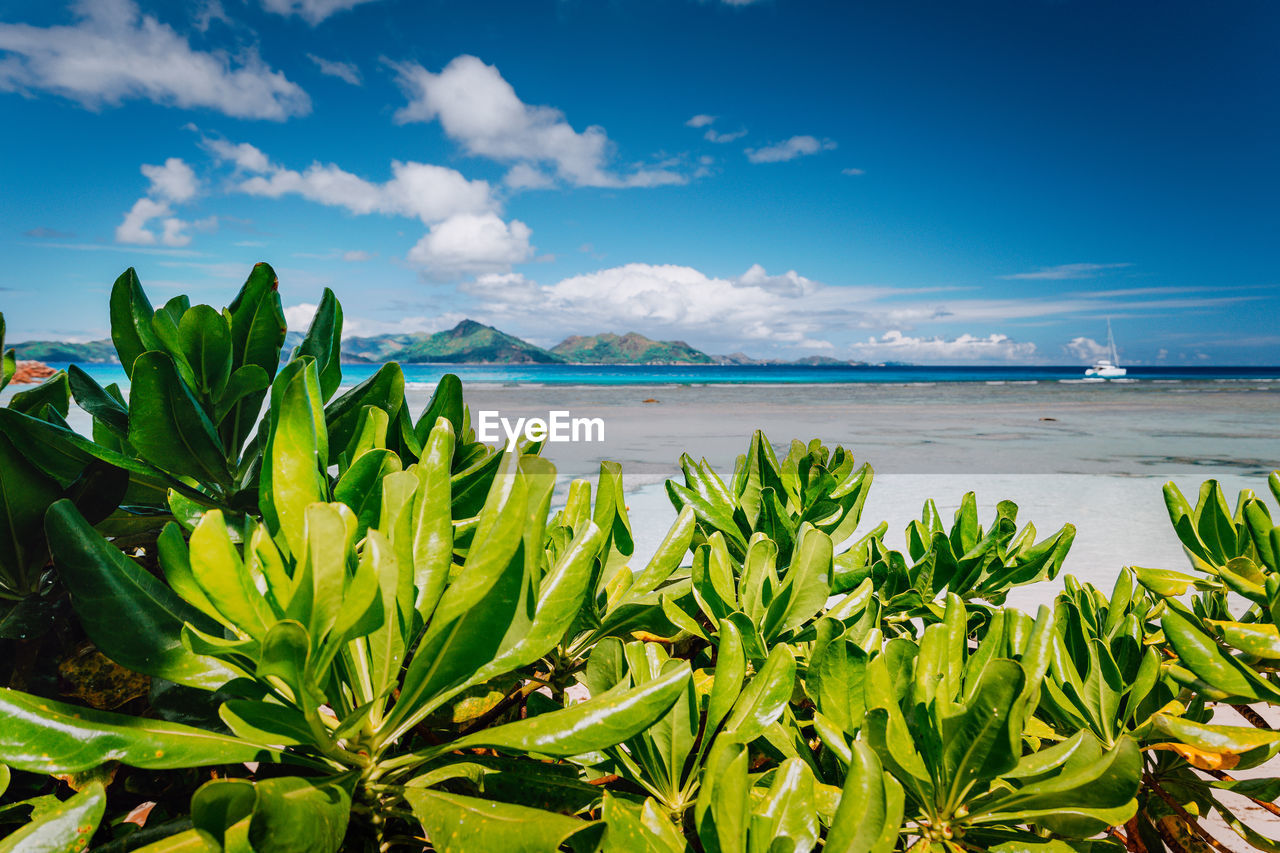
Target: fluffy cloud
172	182
1066	271
720	138
522	176
113	53
789	149
311	11
423	191
466	235
700	120
1086	349
678	301
895	346
852	172
298	317
468	244
480	110
345	71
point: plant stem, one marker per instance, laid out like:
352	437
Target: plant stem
1254	718
1227	777
1182	813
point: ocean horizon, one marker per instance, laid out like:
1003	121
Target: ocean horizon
427	374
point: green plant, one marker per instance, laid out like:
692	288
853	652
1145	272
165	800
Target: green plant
369	631
341	660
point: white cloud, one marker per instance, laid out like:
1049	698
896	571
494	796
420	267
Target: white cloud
114	53
174	182
522	176
721	138
678	301
853	172
468	244
134	227
466	235
246	157
789	149
346	71
1066	271
1086	349
700	120
298	317
895	346
480	110
311	11
356	256
423	191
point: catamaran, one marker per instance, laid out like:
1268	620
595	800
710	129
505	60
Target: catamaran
1107	368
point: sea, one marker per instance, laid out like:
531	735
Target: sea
427	375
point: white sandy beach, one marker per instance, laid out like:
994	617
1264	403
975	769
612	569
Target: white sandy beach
1095	456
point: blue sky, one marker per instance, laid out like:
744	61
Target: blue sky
888	180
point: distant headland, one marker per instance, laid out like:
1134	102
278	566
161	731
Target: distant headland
469	342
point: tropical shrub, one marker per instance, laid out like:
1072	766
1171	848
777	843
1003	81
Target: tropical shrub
326	624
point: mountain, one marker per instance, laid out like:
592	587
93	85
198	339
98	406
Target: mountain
468	342
736	358
89	351
631	348
825	361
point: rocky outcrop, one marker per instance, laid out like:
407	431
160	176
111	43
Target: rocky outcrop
31	372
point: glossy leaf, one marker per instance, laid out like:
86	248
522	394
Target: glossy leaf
108	589
44	736
64	829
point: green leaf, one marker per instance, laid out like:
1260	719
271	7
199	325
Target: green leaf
446	402
131	314
54	391
25	493
458	824
44	736
257	322
1206	659
787	811
599	722
108	590
64	829
191	841
1222	740
95	400
257	326
323	342
765	697
384	389
638	828
205	337
168	427
871	807
360	487
297	455
295	815
1257	639
835	680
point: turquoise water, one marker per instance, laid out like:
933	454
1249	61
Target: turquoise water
578	374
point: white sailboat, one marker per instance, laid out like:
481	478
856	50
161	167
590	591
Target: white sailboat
1107	368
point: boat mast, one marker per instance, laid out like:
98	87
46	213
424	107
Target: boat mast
1111	344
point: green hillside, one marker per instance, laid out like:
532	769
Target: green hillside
631	348
89	351
467	342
